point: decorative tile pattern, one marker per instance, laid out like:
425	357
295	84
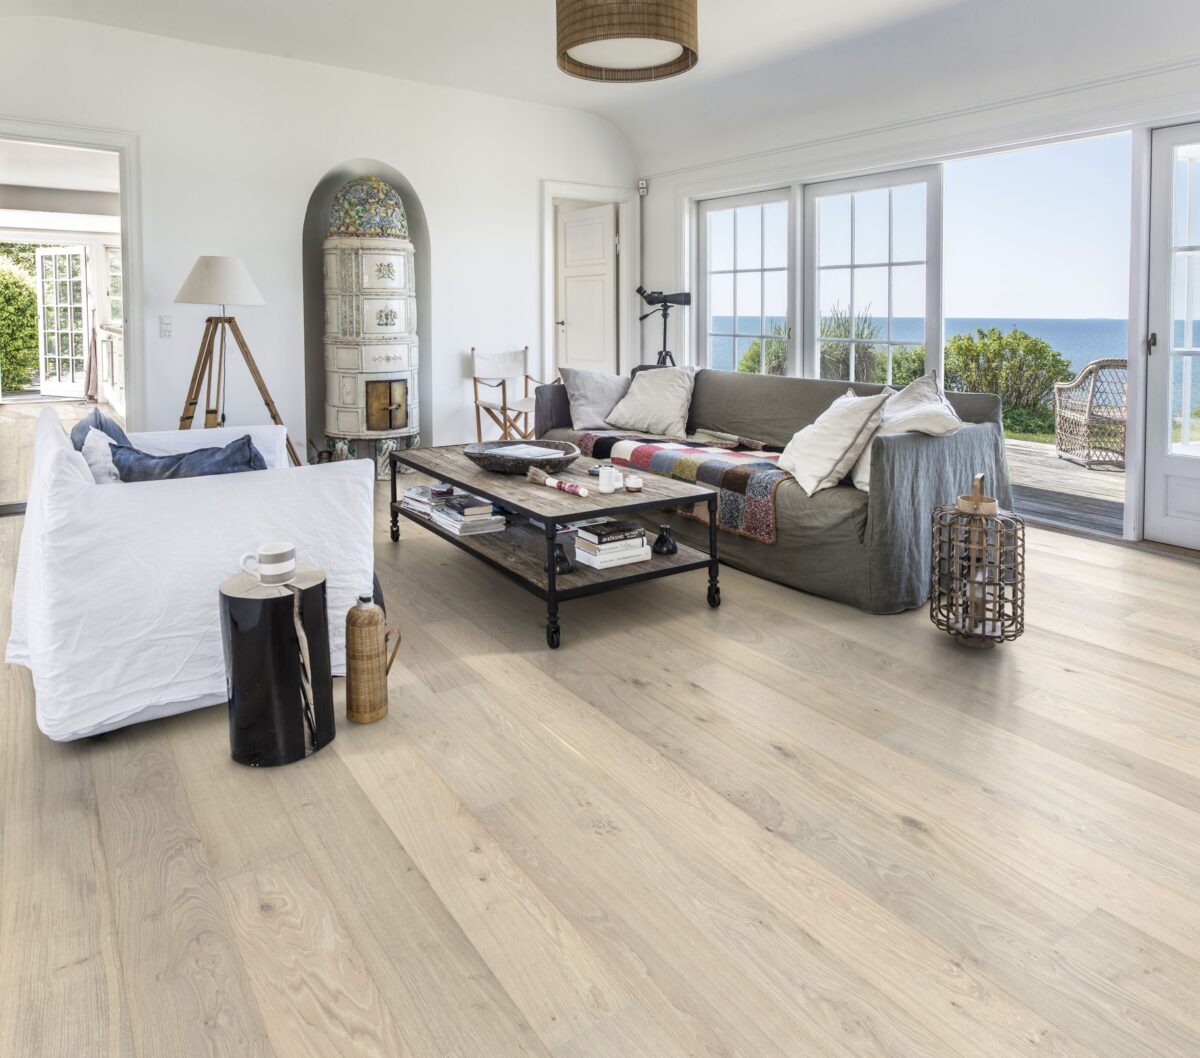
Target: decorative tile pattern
368	208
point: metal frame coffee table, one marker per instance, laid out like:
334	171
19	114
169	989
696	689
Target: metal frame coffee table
525	553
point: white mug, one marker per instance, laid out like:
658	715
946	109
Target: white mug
272	563
609	478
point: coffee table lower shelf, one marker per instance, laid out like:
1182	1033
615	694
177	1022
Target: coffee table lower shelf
520	553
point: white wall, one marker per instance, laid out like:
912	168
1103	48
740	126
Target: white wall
232	146
927	121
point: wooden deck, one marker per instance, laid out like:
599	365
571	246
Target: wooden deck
1055	491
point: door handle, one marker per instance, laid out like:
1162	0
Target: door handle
560	323
1151	342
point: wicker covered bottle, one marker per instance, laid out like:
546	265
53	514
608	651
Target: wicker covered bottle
367	661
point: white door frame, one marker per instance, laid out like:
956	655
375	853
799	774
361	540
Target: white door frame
1139	329
128	149
629	266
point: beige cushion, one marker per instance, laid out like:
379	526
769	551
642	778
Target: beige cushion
592	395
823	453
920	407
657	402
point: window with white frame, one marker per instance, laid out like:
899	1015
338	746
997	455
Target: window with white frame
745	309
873	277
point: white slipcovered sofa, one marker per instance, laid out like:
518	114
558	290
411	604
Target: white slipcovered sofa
115	603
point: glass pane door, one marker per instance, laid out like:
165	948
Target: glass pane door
64	319
873	277
744	298
1172	512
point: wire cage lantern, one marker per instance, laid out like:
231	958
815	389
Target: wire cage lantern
978	590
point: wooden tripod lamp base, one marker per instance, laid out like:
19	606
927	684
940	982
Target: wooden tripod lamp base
212	377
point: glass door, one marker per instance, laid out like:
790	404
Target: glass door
64	322
1172	513
873	277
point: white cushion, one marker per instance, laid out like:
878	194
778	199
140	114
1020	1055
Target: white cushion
920	407
657	402
592	395
97	450
821	454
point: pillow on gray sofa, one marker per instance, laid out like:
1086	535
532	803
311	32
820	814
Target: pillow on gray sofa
593	394
657	402
96	420
234	458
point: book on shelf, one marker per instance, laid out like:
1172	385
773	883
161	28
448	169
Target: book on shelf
619	558
469	506
610	530
611	547
422	499
468	526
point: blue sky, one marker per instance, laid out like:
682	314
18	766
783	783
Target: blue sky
1042	232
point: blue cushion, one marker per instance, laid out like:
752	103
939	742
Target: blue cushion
234	458
97	420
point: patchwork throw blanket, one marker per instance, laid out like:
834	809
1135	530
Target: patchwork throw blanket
746	477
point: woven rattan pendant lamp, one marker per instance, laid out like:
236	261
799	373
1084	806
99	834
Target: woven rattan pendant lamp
626	40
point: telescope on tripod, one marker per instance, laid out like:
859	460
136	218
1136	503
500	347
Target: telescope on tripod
662	304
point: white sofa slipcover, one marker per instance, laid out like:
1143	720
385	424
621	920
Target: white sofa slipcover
115	609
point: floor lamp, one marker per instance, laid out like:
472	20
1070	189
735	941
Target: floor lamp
221	281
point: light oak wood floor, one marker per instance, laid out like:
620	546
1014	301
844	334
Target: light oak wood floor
778	830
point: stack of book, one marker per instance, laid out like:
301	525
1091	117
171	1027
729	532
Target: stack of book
465	515
611	542
425	499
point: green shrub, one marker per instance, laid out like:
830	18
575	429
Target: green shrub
908	364
21	254
775	362
1039	420
1018	367
18	329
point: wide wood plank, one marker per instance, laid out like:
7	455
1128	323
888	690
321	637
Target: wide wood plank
316	995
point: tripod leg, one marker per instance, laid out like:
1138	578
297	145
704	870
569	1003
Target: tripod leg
262	386
203	364
212	413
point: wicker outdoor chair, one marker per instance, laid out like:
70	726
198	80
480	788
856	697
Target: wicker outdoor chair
1090	414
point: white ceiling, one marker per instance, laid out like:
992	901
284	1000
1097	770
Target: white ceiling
67	168
771	72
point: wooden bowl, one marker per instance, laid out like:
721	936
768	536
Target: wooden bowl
489	455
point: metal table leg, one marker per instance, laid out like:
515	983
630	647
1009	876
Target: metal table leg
395	513
552	633
714	587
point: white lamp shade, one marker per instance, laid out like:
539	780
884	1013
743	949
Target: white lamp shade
219	281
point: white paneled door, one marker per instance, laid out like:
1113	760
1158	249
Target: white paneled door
1172	513
64	319
586	313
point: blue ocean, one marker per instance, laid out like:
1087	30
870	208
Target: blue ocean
1080	341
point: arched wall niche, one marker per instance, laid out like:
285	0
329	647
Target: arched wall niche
316	222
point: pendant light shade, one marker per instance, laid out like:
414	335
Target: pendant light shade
626	40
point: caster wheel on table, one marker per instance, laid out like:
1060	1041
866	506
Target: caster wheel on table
714	597
553	638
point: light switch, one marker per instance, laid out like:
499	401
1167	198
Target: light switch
164	326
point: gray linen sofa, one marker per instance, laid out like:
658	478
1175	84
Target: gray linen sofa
871	550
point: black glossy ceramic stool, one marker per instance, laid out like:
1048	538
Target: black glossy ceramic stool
277	668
